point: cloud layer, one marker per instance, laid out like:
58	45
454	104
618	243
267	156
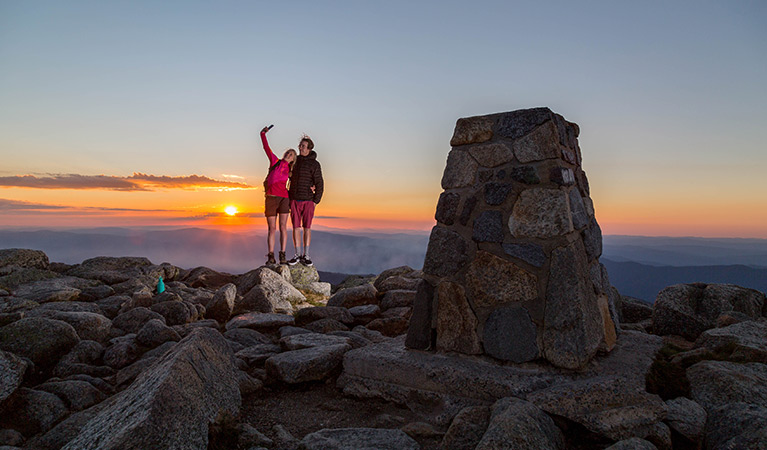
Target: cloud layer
136	182
9	206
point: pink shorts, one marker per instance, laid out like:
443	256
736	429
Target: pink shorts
301	213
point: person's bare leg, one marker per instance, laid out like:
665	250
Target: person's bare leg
307	239
271	223
283	231
296	240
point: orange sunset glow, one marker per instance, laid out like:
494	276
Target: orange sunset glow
163	129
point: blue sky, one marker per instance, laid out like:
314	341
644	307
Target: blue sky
670	97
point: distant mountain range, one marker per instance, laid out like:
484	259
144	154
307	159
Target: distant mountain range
221	250
638	266
685	251
644	282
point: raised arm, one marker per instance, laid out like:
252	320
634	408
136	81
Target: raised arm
269	153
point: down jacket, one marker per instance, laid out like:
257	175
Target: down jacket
307	172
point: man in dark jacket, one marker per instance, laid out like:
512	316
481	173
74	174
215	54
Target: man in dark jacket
306	188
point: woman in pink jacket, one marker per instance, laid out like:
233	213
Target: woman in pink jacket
277	203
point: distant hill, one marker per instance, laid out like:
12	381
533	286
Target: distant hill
221	250
685	251
644	282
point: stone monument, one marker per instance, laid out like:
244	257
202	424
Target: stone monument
512	268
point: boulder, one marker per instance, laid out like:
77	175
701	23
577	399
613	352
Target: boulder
77	394
44	341
34	411
401	272
264	322
66	430
397	298
518	424
247	337
318	287
397	282
737	425
263	299
110	270
308	364
716	383
365	294
690	309
632	444
12	369
354	339
256	355
634	310
98	292
467	428
176	312
172	404
112	305
23	258
155	333
11	439
221	305
128	374
390	326
133	320
122	352
365	313
249	437
302	276
51	290
10	305
88	325
745	340
389	371
208	278
326	325
73	306
308	315
353	281
610	406
11	277
358	438
271	293
307	340
81	359
687	418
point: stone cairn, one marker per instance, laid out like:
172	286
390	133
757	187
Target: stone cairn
512	268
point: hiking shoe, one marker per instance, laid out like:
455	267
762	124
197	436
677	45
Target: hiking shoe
294	260
283	259
270	258
306	261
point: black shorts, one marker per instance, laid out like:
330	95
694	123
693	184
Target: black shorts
275	205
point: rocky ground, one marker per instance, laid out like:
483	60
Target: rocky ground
91	356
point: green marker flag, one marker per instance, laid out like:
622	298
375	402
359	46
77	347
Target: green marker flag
160	286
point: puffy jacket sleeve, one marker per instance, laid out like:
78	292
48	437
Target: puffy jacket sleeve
319	183
269	153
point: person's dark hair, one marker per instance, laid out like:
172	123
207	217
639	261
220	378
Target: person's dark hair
309	142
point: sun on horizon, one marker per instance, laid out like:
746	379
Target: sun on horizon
231	210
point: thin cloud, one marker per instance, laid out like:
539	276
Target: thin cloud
7	205
136	182
15	205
